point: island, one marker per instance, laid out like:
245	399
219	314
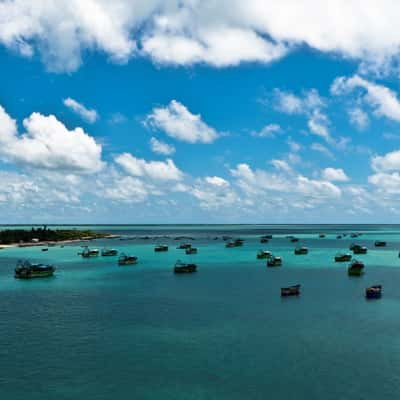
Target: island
45	235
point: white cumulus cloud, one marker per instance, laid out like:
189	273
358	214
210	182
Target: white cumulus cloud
157	146
334	174
47	143
157	170
89	115
179	123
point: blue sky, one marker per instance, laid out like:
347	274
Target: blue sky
166	115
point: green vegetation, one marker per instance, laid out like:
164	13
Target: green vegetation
45	234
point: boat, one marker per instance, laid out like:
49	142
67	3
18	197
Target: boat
87	253
182	268
263	240
291	291
45	249
357	249
234	243
339	236
374	292
322	235
184	246
274	261
294	239
127	260
301	250
266	237
343	257
26	270
191	250
161	247
356	268
380	243
262	254
109	252
353	235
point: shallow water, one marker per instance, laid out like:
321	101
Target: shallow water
99	331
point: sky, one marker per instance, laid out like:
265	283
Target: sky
150	111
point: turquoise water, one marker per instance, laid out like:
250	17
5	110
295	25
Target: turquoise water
98	331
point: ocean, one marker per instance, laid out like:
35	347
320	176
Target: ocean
99	331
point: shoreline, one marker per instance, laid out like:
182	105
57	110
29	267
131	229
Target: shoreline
55	243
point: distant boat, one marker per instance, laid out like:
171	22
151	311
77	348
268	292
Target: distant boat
109	252
356	268
343	257
45	249
380	243
339	236
127	260
161	247
26	270
291	291
358	249
322	235
183	268
191	250
301	250
263	254
353	235
234	243
294	239
374	292
274	262
266	237
264	240
184	246
87	253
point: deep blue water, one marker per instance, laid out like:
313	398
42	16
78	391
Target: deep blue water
98	331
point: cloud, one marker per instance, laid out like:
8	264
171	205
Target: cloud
179	123
358	118
383	100
289	103
256	183
156	170
334	174
269	130
388	162
318	125
322	149
214	192
159	147
222	33
89	115
48	144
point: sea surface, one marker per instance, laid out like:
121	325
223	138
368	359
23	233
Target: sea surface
98	331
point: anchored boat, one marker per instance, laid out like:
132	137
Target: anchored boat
356	268
127	260
274	262
161	247
380	243
87	253
184	246
26	270
183	268
109	252
301	250
191	250
263	254
291	291
374	292
343	257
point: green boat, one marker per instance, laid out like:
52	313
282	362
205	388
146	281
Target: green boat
263	254
356	268
26	270
301	250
